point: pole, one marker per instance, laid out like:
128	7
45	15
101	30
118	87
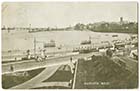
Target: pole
34	47
29	27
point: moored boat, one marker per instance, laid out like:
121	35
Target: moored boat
50	44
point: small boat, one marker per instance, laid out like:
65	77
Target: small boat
114	35
50	44
85	42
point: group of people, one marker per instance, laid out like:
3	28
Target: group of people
39	57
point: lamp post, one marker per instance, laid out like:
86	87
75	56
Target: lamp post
34	47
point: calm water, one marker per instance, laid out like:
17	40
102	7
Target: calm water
22	40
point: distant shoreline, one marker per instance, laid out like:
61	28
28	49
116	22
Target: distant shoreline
118	32
97	31
124	32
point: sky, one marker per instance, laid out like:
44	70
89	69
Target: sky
63	14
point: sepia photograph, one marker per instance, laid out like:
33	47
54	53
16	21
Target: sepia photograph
69	45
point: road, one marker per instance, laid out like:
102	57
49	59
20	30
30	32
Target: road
32	64
12	56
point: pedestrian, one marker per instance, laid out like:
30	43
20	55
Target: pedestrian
28	54
11	68
109	52
39	59
71	59
43	54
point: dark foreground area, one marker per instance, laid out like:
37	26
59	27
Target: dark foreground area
103	73
13	79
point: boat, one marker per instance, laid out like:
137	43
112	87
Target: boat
50	44
114	35
85	42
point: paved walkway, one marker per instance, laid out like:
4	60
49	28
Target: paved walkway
49	71
61	84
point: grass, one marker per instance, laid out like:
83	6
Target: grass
102	69
61	75
9	81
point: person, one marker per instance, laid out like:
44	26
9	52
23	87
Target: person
11	68
71	59
28	54
38	59
15	59
109	52
43	54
